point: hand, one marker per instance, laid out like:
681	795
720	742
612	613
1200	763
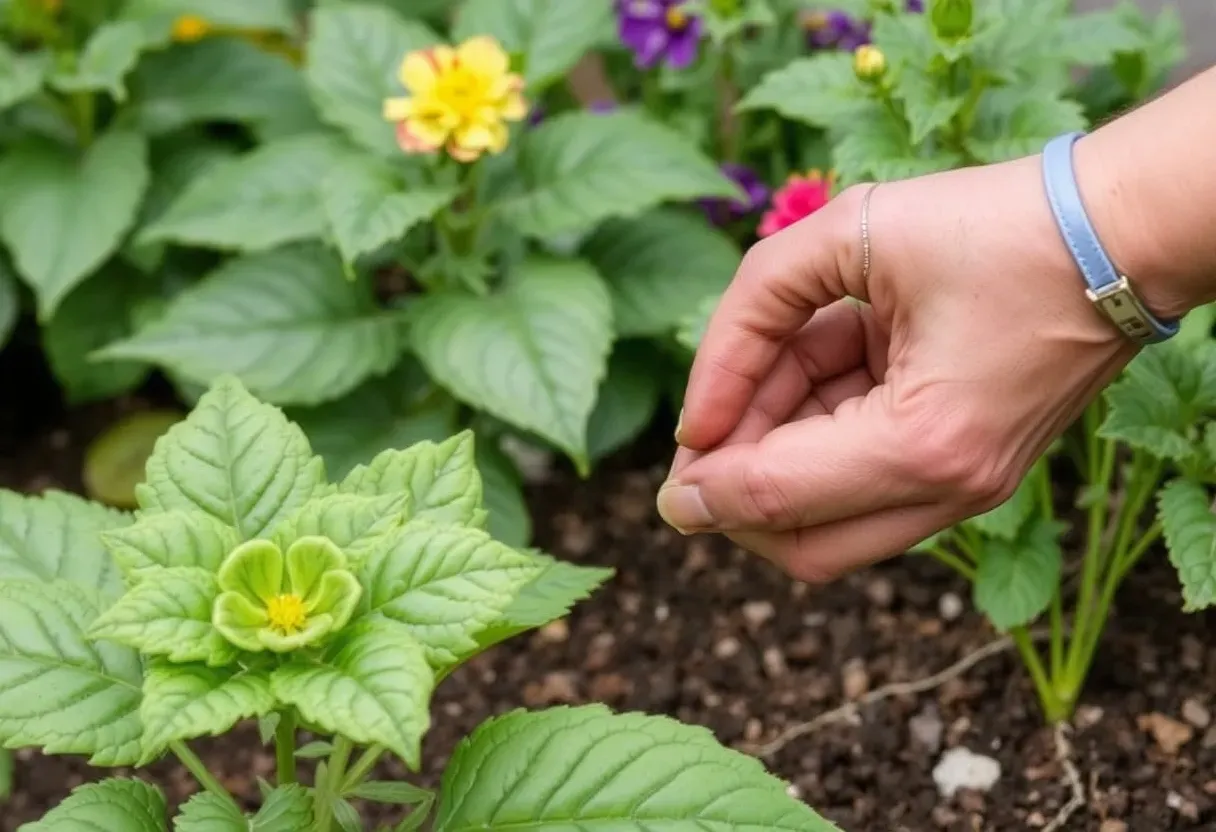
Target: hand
825	434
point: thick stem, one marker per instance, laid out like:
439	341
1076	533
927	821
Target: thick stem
1055	709
196	767
362	767
285	746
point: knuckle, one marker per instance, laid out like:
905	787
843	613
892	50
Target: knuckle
954	454
767	499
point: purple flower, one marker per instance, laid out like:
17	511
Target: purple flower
915	6
835	30
658	30
601	105
723	211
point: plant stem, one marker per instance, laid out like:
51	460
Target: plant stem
953	561
727	97
1102	466
1054	708
196	767
326	790
285	746
84	115
337	763
362	767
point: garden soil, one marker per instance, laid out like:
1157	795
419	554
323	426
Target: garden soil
696	629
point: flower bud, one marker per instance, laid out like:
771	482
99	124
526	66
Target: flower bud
952	18
869	64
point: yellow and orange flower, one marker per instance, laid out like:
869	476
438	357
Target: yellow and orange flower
460	99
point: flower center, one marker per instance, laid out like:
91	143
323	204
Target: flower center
463	92
814	21
286	613
676	19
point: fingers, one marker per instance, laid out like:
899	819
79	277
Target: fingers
781	282
824	553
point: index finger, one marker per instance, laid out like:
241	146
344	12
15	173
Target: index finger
778	286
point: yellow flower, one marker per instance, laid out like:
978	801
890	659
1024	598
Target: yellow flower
459	99
189	27
869	63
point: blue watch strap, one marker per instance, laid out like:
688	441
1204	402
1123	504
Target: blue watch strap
1110	291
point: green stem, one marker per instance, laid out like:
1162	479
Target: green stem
953	561
84	116
1151	536
729	127
328	791
1054	708
362	767
1057	634
196	767
285	746
1102	466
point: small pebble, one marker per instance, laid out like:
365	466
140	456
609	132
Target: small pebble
854	679
881	592
961	768
950	606
758	613
927	729
1112	825
1195	713
727	648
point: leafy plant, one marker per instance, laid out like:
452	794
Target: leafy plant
248	586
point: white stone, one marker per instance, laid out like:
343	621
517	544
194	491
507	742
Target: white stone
960	768
949	606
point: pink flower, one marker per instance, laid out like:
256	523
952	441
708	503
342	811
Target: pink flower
800	197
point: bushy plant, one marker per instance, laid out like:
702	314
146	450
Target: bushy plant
249	586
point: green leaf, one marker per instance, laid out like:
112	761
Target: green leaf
265	15
234	458
692	328
62	216
1185	510
1012	122
374	688
216	79
402	794
347	816
1016	579
285	809
627	400
258	201
367	206
1006	520
581	168
182	702
926	108
209	812
533	354
55	536
551	35
445	583
21	75
442	480
821	91
284	321
315	750
877	147
572	768
58	690
354	53
353	522
10	304
169	540
117	803
168	614
112	52
659	267
508	519
1094	38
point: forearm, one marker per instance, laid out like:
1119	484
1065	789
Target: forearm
1148	180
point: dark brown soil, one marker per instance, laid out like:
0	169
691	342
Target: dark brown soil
698	630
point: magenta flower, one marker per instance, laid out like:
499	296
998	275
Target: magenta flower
837	30
723	211
658	30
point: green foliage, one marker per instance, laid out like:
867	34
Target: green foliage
1017	578
1190	533
117	803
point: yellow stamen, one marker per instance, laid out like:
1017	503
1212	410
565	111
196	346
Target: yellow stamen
188	28
286	613
676	19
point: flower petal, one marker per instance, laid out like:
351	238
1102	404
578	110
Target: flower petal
398	109
483	56
420	70
307	560
239	620
337	596
411	142
314	630
255	570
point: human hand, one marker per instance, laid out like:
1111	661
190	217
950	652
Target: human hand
825	435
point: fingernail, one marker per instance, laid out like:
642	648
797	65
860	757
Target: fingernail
679	426
682	508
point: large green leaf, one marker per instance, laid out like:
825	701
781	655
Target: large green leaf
354	53
533	354
285	321
444	583
660	266
184	701
1006	520
876	147
117	803
256	202
1016	579
63	215
21	75
55	536
367	205
234	458
582	168
170	540
627	399
374	688
353	522
1013	122
1185	509
168	614
1094	38
58	690
112	52
821	91
551	35
586	768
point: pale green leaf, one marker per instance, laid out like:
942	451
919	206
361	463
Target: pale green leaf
347	816
58	690
821	91
441	478
114	804
10	304
111	52
168	613
1006	520
168	540
285	809
367	205
550	35
533	354
445	583
508	519
627	400
692	328
184	701
261	200
876	147
62	216
584	768
660	267
264	15
234	458
56	536
926	107
286	322
1013	122
209	812
401	794
1016	579
215	79
354	54
21	75
1094	38
315	750
582	168
373	688
1185	510
353	522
